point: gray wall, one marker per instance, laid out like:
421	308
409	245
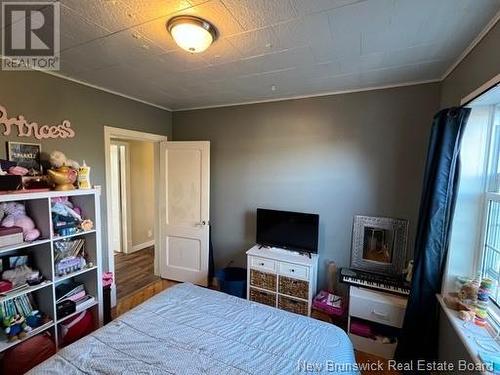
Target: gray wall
142	192
46	99
338	156
479	66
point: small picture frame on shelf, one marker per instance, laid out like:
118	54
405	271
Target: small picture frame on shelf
26	155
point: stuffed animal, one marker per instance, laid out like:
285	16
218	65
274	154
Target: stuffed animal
35	319
15	215
63	206
58	160
453	302
87	225
468	292
15	327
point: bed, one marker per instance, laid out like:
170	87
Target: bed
192	330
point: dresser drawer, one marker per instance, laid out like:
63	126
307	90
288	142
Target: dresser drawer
293	270
263	264
377	307
263	280
292	305
260	296
293	287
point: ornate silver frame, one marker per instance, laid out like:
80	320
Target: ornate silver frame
399	251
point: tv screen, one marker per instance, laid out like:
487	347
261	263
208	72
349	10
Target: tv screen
288	230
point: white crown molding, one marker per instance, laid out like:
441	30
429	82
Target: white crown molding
59	75
412	83
462	56
100	88
473	44
480	90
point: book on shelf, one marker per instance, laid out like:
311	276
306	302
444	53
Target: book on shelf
85	302
66	290
11	236
22	305
77	296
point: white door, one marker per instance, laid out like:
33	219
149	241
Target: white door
186	173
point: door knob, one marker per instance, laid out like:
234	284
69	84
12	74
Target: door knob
202	223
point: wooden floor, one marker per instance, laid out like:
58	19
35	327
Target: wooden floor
139	296
134	271
365	358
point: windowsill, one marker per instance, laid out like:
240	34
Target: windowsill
468	334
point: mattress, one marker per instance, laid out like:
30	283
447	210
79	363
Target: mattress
192	330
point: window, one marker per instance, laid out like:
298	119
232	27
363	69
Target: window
491	243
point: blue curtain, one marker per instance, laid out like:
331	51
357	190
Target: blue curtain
419	334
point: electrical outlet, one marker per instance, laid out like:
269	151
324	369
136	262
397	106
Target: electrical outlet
150	233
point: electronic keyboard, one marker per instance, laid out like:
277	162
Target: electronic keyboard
374	281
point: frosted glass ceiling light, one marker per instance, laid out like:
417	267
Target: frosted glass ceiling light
191	33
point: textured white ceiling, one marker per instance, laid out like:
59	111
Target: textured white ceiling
302	47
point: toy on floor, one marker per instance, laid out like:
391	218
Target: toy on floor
15	215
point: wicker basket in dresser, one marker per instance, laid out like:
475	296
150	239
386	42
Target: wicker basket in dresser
282	279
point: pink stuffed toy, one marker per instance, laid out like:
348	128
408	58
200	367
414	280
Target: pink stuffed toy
15	216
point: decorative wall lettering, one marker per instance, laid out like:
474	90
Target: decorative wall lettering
32	129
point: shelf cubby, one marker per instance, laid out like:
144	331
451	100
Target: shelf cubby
60	279
22	245
29	289
38	210
41	255
6	344
44	298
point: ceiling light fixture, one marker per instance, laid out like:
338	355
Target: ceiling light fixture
192	34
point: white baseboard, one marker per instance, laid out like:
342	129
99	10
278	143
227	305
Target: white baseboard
141	246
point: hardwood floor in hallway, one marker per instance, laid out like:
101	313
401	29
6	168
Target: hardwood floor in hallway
139	296
134	271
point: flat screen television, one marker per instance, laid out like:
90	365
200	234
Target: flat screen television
288	230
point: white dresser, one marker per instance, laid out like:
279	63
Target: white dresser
281	278
383	312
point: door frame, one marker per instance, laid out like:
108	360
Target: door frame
132	135
125	203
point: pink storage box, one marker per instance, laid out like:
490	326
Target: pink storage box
320	303
361	329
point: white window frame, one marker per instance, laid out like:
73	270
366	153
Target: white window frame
494	310
493	148
478	261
